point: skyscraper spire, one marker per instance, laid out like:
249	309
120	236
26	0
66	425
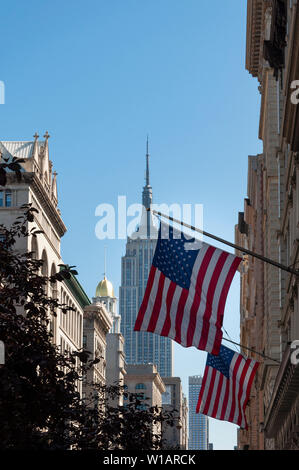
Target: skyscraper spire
147	164
147	197
147	194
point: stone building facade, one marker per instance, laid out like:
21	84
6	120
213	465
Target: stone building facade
115	357
270	224
97	323
38	186
173	400
145	380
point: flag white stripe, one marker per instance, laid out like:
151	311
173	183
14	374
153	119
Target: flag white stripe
214	393
206	390
242	365
163	310
230	395
203	299
220	284
221	398
199	331
232	390
211	337
151	302
196	267
215	304
245	386
237	372
190	298
252	373
173	311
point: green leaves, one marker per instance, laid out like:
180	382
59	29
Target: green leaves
14	166
40	404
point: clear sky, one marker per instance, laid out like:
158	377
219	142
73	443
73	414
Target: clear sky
100	75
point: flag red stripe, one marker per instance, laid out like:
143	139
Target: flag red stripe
180	314
209	303
225	401
216	404
254	369
217	342
213	283
191	314
202	389
197	295
210	391
169	297
144	303
225	289
157	305
241	384
233	397
230	405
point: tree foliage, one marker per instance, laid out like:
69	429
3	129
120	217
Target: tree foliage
40	403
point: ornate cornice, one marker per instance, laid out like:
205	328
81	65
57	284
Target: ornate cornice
290	127
46	203
284	393
254	35
33	181
100	315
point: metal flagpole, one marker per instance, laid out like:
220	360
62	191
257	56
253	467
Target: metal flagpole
252	350
221	240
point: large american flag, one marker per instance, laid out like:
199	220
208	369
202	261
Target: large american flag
186	291
226	385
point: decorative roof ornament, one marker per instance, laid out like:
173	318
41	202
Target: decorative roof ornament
105	289
35	146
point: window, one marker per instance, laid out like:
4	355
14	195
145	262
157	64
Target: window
5	198
140	396
166	396
140	387
8	198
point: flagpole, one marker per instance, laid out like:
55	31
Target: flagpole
252	350
221	240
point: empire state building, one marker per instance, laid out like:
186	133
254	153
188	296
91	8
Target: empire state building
141	347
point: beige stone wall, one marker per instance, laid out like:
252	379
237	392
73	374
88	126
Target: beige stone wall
39	188
273	230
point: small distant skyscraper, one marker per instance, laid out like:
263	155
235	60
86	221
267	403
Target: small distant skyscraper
141	347
198	423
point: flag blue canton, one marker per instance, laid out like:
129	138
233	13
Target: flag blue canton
171	257
222	361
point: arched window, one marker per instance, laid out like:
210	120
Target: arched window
140	387
45	268
34	248
53	285
53	295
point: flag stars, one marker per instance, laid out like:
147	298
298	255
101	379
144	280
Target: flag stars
172	259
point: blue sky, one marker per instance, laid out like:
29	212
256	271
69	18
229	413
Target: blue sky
100	75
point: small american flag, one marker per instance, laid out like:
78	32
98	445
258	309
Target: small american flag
226	386
186	291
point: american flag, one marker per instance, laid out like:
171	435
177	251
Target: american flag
226	385
186	291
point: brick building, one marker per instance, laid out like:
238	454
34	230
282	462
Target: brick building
269	225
